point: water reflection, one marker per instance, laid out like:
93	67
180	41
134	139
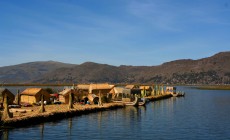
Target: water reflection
42	131
5	134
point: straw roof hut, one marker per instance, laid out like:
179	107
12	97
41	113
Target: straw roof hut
83	88
4	91
33	95
118	93
103	88
64	95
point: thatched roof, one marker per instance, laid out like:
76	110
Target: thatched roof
131	86
66	92
31	91
4	91
100	86
83	86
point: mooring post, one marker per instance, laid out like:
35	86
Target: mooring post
6	113
100	102
70	100
18	96
42	109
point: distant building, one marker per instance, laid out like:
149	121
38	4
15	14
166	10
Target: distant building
10	95
64	95
102	88
33	95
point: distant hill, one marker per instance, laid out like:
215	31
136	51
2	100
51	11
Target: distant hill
211	70
28	72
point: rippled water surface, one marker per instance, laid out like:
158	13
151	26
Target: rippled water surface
201	114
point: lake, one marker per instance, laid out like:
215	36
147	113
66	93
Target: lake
201	114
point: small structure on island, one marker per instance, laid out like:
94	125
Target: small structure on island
64	95
9	94
33	95
83	88
130	94
105	91
102	88
82	93
118	91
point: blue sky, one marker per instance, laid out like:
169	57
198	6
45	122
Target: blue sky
115	32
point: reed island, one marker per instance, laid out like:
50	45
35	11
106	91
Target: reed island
36	105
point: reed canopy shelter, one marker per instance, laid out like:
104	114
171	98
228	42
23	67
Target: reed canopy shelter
10	95
104	89
64	95
33	95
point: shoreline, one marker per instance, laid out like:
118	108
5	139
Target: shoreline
33	117
30	116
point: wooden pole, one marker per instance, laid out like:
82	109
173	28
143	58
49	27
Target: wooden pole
70	100
100	102
6	112
42	109
18	96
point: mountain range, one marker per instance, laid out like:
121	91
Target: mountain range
210	70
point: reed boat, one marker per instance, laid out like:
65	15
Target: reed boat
178	94
173	92
134	103
142	101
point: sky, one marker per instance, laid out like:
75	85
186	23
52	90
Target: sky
114	32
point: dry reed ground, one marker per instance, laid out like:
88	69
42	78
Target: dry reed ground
51	111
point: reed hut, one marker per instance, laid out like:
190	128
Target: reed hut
33	95
83	88
129	94
10	95
105	91
82	92
64	95
118	93
103	88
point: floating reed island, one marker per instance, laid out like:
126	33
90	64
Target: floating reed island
36	105
31	115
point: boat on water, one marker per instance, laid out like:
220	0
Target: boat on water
133	103
173	92
141	101
178	94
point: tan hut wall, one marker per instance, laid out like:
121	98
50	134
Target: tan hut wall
10	95
64	99
28	99
103	91
46	96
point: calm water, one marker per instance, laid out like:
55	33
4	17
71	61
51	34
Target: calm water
201	114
